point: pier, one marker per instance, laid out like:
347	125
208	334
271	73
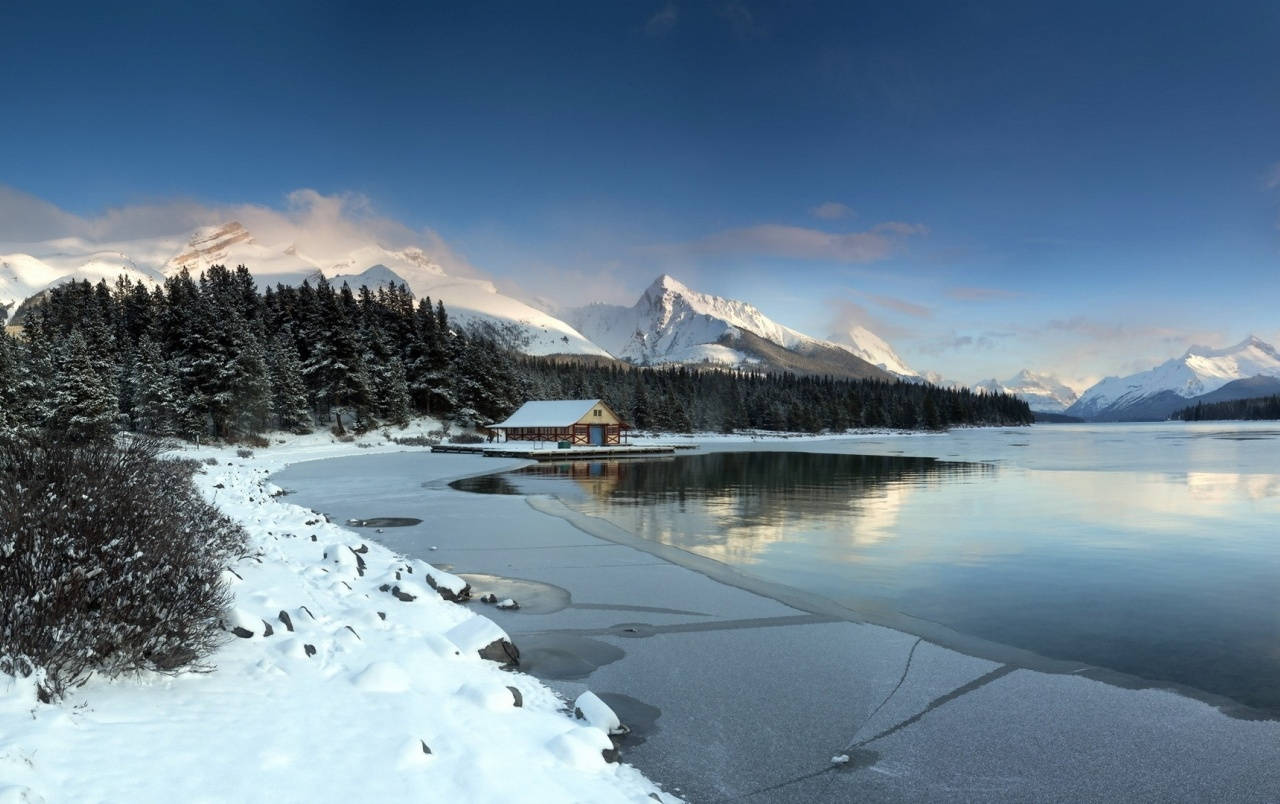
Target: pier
569	454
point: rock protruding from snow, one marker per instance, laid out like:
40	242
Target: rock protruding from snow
246	625
583	747
483	636
590	708
450	586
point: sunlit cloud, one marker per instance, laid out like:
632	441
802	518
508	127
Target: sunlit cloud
309	221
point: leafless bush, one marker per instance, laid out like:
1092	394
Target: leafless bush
416	441
110	561
244	453
466	438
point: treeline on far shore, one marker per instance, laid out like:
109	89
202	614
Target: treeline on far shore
1255	409
214	357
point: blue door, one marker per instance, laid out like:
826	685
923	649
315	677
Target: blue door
596	435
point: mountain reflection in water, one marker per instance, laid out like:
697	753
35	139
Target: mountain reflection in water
1166	575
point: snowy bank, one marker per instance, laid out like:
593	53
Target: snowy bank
345	676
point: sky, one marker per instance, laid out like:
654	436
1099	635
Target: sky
1080	188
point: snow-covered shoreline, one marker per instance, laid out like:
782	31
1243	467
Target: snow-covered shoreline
345	690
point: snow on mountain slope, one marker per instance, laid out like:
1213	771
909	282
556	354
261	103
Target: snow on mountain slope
670	320
672	323
469	301
23	276
1199	371
1043	392
872	348
476	302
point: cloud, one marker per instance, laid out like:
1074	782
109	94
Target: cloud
796	242
901	306
151	233
956	342
556	289
977	294
663	21
831	210
1272	179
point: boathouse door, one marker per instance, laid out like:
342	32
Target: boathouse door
596	435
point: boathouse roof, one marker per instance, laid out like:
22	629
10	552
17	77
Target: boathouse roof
549	413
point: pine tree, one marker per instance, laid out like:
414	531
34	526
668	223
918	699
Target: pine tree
84	402
157	401
394	404
288	391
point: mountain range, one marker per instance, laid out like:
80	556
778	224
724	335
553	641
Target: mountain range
669	324
1249	368
1043	392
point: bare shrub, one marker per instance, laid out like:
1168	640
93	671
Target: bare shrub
110	561
466	438
244	453
416	441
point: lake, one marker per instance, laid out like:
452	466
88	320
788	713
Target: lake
1149	550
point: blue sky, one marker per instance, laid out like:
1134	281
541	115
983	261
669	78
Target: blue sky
1076	187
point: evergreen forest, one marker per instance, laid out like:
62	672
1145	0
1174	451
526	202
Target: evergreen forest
1257	408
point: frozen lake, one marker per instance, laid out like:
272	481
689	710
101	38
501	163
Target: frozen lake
1151	550
730	604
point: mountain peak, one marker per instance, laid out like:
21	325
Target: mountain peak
1251	342
668	283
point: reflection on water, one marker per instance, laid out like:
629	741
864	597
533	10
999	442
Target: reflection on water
1170	576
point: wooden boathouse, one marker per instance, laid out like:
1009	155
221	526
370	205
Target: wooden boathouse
580	422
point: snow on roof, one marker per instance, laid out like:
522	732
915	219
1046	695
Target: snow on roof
550	413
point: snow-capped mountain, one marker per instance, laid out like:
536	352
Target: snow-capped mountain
23	275
672	323
469	301
1043	392
872	348
1199	371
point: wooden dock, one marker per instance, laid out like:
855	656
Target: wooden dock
570	454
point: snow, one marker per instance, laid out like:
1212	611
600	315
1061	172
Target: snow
338	705
869	346
551	413
1043	392
1200	370
670	319
672	323
590	708
23	276
469	301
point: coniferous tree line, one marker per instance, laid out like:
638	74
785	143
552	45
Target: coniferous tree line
212	357
1257	408
684	399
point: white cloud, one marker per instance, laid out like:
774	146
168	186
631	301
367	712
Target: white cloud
796	242
830	211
